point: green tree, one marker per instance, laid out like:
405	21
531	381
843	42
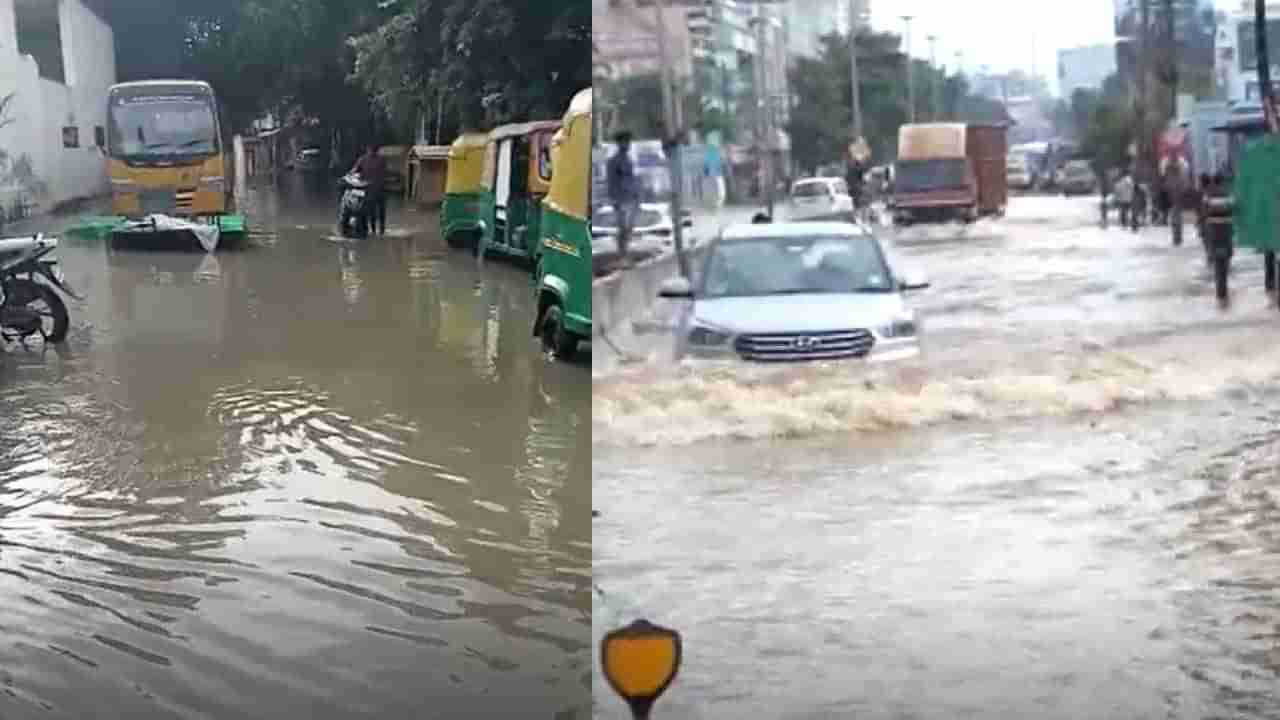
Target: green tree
821	120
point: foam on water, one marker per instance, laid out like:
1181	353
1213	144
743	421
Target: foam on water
648	406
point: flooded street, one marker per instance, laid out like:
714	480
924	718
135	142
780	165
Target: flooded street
307	479
1066	507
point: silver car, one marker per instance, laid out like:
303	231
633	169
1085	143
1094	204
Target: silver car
796	292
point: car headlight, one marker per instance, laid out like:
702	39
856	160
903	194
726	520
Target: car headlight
703	336
901	327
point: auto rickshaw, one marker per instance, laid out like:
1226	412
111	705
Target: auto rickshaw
517	176
461	222
563	276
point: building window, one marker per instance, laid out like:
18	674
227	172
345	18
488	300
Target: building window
40	36
71	137
100	136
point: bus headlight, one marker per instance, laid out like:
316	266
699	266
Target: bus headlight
123	185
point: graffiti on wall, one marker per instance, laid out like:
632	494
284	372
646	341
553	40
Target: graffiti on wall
19	184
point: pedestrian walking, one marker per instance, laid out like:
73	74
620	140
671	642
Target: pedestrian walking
1138	206
1103	192
623	192
1175	181
372	168
1124	197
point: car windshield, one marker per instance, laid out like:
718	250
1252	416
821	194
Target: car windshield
918	175
162	127
1077	169
794	265
609	219
809	189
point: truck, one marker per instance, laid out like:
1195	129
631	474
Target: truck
949	171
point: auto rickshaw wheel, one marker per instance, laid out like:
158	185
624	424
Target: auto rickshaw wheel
557	341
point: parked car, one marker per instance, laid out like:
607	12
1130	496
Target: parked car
309	159
1020	173
822	198
1078	178
797	291
653	230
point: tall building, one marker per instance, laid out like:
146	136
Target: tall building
1085	68
625	40
1194	25
809	20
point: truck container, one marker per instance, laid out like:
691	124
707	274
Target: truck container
949	171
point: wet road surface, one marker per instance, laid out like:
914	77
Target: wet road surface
1065	508
306	479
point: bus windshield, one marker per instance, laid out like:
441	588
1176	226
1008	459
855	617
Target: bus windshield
162	128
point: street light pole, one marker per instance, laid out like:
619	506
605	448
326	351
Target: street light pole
911	83
853	69
762	109
673	141
933	77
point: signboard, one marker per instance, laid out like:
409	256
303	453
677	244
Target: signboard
859	151
613	47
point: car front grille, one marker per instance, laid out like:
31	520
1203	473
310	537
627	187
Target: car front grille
785	347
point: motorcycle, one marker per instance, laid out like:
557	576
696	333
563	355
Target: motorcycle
353	208
29	307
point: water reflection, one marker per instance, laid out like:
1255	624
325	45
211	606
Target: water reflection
299	479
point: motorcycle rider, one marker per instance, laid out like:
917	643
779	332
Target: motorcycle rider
372	168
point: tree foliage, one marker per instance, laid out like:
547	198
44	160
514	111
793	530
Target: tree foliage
364	67
822	118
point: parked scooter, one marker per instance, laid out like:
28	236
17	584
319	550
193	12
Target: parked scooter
29	307
353	208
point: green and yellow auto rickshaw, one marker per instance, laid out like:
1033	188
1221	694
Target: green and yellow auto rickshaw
517	176
461	215
563	278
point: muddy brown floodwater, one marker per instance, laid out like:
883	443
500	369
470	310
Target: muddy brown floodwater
305	479
1067	507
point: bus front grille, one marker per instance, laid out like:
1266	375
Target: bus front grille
161	201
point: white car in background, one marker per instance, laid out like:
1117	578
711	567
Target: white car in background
822	198
796	291
652	230
1020	176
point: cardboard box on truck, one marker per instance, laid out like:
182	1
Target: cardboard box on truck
949	171
987	150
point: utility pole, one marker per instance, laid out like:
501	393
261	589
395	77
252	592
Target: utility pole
933	77
1268	110
911	83
673	141
762	109
1141	110
853	69
1171	57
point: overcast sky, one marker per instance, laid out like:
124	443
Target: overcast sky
1004	34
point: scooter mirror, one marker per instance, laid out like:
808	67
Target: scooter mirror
640	662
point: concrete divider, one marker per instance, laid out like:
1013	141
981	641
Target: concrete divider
626	295
622	296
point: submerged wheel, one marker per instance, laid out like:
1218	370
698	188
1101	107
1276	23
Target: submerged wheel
54	320
557	341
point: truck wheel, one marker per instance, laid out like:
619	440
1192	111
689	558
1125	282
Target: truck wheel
557	341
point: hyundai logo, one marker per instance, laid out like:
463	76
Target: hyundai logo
804	342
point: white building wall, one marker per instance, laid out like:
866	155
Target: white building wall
43	107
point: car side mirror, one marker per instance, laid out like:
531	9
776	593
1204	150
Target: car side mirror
687	222
676	288
914	280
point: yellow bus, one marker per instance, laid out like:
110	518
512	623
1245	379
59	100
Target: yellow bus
164	148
